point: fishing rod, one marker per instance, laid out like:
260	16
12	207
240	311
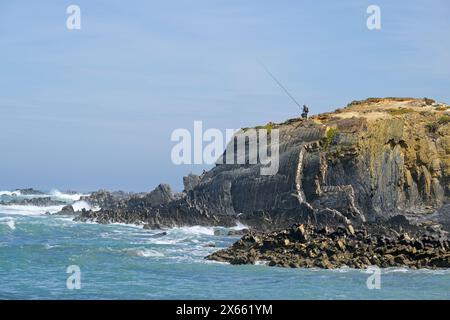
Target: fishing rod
280	84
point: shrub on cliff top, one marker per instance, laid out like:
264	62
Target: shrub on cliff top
434	126
428	101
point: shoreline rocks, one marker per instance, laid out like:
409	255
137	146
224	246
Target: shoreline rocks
305	246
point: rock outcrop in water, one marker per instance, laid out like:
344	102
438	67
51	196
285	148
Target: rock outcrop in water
40	202
29	192
106	199
366	163
303	246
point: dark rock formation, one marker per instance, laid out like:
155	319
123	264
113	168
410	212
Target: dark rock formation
106	199
330	247
66	210
162	194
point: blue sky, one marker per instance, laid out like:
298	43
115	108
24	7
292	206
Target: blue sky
94	108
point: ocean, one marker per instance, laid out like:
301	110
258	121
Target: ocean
127	262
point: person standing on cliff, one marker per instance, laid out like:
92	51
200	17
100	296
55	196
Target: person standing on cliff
305	112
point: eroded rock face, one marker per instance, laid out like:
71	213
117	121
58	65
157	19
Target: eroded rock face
371	161
162	194
190	181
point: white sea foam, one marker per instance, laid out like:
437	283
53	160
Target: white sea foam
129	225
9	222
143	252
68	197
29	210
164	242
49	246
239	226
80	205
391	270
213	262
196	230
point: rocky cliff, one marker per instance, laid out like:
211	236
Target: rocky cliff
366	163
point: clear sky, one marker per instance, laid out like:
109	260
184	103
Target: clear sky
94	108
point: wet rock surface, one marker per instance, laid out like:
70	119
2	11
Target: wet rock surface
305	246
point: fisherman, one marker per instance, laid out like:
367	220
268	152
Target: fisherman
305	112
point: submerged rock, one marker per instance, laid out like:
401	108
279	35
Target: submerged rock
238	232
209	245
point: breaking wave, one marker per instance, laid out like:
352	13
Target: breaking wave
29	210
196	230
143	252
65	196
239	226
80	205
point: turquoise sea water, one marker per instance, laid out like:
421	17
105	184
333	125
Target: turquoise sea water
128	262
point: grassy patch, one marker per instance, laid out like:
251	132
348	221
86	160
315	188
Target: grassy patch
445	119
268	127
